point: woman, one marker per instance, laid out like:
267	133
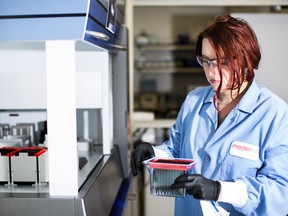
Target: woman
235	128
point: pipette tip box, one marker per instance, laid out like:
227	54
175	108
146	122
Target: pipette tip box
164	171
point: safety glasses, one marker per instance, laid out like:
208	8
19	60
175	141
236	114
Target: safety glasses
205	63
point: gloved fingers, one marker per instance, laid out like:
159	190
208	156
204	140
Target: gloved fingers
198	186
133	165
188	178
149	151
142	152
137	157
182	178
136	161
178	185
186	181
191	188
193	177
182	182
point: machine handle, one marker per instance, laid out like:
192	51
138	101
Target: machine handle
118	46
98	35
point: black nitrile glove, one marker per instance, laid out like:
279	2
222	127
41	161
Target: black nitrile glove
142	152
198	186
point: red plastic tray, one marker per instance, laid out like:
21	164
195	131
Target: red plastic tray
170	163
32	151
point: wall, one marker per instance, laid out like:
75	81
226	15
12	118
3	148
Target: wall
271	30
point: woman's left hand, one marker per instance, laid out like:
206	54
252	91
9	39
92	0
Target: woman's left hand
198	186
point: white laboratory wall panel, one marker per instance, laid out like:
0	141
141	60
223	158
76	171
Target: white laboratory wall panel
22	81
23	76
271	30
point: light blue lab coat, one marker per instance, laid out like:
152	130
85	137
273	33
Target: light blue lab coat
260	119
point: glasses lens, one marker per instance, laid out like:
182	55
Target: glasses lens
200	60
206	63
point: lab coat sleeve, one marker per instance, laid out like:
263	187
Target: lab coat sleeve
270	187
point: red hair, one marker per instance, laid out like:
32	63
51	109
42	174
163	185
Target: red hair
234	40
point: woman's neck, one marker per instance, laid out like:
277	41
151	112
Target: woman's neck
227	101
228	98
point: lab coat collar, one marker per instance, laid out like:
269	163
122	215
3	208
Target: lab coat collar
248	102
211	110
210	95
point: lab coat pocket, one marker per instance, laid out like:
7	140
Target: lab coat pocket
234	167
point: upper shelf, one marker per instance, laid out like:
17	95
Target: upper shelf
209	2
156	123
168	58
178	70
168	47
